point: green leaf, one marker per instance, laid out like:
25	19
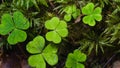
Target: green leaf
97	10
92	14
71	11
67	17
49	53
97	14
88	9
74	59
62	29
59	29
6	25
51	59
16	36
36	61
73	8
70	61
68	9
79	65
36	46
20	21
13	24
80	57
53	36
89	20
97	17
52	24
50	49
76	14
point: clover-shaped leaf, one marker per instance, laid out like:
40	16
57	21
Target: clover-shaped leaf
49	53
14	25
67	17
17	35
79	56
71	11
74	59
37	61
36	46
52	24
59	29
41	54
53	36
76	13
6	25
20	21
92	14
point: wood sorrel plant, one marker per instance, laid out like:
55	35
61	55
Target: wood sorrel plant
58	29
14	26
40	53
91	14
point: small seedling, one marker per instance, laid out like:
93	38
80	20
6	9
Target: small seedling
14	26
41	53
91	14
74	59
58	29
71	11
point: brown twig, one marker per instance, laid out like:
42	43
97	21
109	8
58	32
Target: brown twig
78	19
109	60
